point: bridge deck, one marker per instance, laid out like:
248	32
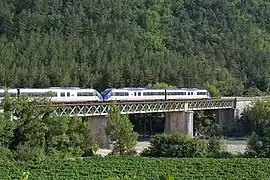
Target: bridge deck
132	107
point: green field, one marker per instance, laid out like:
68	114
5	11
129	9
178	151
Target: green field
138	168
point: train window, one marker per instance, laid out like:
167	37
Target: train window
201	93
62	94
191	93
121	94
188	93
153	93
135	94
68	94
139	93
85	94
176	93
1	94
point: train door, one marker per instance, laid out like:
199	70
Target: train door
190	94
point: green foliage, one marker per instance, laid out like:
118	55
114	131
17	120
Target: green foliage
6	130
166	177
27	127
175	145
68	135
213	90
160	86
256	120
215	146
25	175
253	91
257	117
28	152
5	155
32	131
120	130
139	168
206	127
259	146
120	44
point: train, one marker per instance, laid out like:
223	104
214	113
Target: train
76	94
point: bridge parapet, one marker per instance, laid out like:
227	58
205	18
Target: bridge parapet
134	107
255	98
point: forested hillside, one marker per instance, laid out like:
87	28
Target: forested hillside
116	43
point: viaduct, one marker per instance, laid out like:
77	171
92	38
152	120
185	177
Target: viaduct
178	114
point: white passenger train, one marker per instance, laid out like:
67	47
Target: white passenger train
129	94
111	94
57	94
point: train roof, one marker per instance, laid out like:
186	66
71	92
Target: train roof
64	88
47	89
136	89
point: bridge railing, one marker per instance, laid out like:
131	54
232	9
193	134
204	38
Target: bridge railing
132	107
97	109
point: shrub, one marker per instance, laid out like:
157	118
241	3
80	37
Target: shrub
214	146
5	155
176	145
259	146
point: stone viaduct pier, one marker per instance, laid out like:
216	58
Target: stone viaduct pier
178	114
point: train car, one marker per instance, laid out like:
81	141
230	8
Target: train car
139	94
187	93
59	94
12	92
132	94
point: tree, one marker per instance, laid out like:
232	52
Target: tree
213	90
6	131
161	85
32	131
258	122
29	118
69	136
253	91
259	145
120	130
257	117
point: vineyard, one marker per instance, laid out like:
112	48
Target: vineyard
139	168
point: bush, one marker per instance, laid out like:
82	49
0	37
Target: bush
5	155
214	146
259	146
27	153
224	155
176	145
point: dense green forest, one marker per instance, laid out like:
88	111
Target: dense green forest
117	43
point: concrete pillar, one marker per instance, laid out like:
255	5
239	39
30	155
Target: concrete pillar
179	122
189	122
225	118
98	125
